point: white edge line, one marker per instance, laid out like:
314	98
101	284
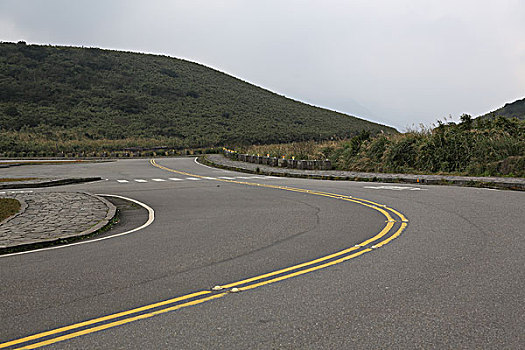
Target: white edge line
209	167
151	218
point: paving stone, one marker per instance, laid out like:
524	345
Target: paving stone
51	216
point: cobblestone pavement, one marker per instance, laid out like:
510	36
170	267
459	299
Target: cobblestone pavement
49	216
498	182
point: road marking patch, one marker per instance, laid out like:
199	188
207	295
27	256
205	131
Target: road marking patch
124	181
395	188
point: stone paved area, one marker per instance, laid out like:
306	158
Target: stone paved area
49	216
496	182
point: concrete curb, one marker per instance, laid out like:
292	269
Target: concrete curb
100	226
465	181
51	183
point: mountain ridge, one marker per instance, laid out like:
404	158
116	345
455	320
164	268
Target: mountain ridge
514	109
88	94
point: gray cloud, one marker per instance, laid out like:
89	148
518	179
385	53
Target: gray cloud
397	62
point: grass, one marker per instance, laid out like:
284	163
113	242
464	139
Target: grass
8	207
481	147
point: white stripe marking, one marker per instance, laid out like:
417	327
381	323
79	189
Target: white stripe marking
192	178
226	178
158	180
122	181
175	179
209	178
395	188
140	180
209	167
151	218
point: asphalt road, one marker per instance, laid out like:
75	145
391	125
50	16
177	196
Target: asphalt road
453	279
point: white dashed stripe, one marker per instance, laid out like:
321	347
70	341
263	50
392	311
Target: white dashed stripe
123	181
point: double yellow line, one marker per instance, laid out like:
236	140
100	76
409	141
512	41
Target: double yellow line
380	239
395	224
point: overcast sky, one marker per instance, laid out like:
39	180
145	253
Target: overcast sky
392	61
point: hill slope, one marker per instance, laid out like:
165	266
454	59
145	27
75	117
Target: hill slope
88	94
515	109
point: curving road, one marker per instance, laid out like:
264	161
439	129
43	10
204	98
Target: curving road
453	279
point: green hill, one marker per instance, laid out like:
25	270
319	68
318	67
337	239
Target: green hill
67	99
515	109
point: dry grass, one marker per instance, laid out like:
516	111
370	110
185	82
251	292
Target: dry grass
299	150
8	207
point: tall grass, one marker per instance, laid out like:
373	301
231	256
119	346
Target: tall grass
472	147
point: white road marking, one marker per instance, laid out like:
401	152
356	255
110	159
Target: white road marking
140	180
175	179
209	167
209	178
122	181
158	180
151	218
226	177
22	191
192	178
395	188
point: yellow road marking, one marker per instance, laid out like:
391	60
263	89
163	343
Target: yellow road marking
379	207
327	257
100	319
251	286
394	236
273	273
121	322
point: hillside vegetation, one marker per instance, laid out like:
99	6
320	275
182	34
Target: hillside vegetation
515	109
73	100
480	147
